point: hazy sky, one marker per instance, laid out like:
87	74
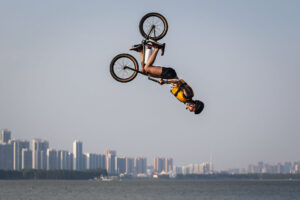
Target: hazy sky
241	58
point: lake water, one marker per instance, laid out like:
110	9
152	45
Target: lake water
149	190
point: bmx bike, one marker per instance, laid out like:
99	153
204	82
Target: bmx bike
124	67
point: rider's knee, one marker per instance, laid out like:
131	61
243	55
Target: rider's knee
146	69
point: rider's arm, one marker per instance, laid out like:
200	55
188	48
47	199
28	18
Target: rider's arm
169	81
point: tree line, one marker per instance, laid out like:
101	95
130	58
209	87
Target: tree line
239	176
52	174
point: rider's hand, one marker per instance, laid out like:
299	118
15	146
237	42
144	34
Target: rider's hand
161	81
156	48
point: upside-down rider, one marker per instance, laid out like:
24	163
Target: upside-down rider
180	89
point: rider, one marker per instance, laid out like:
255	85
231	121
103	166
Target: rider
181	90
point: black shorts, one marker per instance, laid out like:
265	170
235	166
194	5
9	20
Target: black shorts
168	73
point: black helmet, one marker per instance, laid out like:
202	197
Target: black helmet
199	105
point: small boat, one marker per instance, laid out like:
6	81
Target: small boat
109	178
102	178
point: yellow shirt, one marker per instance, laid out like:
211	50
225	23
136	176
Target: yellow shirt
180	94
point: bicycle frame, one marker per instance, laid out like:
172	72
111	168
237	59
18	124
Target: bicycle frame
144	43
140	72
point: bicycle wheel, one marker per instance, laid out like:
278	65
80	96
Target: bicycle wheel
118	68
157	23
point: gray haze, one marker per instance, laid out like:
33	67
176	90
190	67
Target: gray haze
241	58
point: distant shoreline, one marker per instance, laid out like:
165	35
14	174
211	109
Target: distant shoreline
31	174
28	174
241	177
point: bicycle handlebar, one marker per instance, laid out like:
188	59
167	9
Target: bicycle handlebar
152	79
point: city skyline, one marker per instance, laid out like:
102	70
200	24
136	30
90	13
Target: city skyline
44	156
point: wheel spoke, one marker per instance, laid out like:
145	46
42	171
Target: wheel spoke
152	20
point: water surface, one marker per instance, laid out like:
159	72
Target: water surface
149	190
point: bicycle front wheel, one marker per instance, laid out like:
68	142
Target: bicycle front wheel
123	68
153	26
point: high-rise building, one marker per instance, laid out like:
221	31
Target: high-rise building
270	169
178	170
280	168
26	159
260	167
211	168
110	156
204	168
120	165
66	160
84	160
129	165
193	168
196	168
58	159
140	165
287	168
5	136
70	162
78	155
52	159
90	159
58	154
39	154
169	164
186	170
297	169
95	161
6	156
159	164
18	145
101	161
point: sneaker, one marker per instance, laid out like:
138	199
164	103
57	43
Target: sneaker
136	47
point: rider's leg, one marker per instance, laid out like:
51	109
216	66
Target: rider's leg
152	58
154	71
142	58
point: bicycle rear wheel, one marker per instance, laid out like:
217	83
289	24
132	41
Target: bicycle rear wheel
119	68
153	26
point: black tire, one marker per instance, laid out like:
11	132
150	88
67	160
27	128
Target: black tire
153	19
117	68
